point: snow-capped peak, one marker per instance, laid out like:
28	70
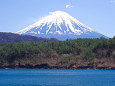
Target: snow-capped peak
58	22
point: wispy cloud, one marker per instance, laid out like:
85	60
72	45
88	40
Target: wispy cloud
68	6
112	1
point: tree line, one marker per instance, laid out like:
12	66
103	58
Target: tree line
86	49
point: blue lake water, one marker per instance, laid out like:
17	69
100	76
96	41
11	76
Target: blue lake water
56	77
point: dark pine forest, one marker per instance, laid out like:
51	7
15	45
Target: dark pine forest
77	53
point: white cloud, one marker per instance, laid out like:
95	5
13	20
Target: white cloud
68	6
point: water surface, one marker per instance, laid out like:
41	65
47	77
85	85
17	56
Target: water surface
56	77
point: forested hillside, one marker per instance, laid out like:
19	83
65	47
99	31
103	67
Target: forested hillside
13	38
78	53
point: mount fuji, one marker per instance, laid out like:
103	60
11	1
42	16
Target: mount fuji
60	25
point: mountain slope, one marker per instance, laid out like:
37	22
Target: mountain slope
13	38
60	25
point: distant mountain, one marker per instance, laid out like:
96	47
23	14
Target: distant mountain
13	38
60	25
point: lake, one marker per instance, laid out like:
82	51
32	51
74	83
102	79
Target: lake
56	77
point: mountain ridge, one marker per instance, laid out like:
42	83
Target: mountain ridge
60	25
13	38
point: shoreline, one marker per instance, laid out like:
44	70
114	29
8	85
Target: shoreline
55	67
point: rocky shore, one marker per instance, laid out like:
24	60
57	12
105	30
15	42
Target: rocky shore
60	66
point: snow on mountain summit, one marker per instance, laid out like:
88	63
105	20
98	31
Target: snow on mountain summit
58	18
57	24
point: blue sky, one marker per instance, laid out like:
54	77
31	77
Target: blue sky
97	14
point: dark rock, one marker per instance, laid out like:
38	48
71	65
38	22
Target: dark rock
45	66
